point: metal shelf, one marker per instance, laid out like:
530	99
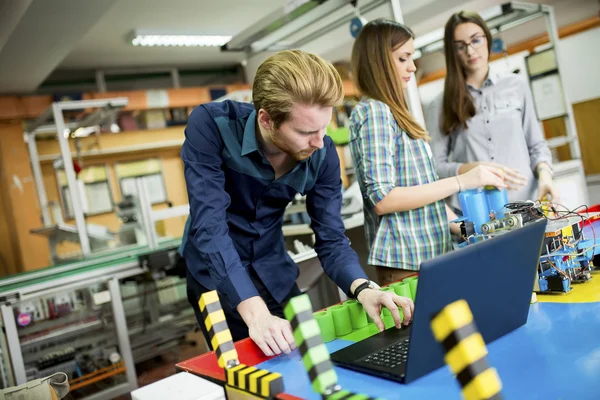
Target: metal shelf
165	343
64	333
44	124
79	343
38	327
151	327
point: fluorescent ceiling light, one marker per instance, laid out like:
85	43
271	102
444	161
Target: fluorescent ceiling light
149	40
312	20
309	22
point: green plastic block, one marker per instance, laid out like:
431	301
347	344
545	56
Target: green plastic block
360	334
325	321
402	289
315	356
373	329
388	313
338	395
413	282
306	330
296	305
358	315
369	319
324	381
341	319
388	321
385	311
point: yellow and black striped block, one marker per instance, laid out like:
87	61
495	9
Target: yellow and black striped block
259	382
308	340
466	352
218	330
232	393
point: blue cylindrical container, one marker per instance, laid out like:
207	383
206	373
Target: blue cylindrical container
462	198
478	210
496	200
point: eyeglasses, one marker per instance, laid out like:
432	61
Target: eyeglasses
475	43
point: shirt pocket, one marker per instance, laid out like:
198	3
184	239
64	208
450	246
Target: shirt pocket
507	102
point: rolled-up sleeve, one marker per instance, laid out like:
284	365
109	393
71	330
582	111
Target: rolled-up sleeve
440	142
536	143
376	144
208	229
324	205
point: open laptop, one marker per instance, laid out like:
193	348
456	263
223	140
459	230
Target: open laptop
494	276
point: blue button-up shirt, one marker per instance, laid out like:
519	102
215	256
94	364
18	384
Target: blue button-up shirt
237	207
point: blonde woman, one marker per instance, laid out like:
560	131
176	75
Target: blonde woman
406	219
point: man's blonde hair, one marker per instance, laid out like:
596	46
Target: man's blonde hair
295	76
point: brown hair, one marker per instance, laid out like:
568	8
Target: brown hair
295	76
458	106
375	74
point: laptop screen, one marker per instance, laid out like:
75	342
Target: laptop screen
495	277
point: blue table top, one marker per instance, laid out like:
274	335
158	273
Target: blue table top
556	355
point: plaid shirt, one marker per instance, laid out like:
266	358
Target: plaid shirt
386	157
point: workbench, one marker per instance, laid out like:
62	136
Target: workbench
555	355
122	260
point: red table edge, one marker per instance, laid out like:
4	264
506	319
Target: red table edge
205	365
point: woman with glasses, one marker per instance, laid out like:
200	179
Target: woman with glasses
484	118
406	219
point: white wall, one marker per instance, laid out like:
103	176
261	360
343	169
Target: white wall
579	57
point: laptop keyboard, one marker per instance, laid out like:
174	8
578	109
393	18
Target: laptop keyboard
389	357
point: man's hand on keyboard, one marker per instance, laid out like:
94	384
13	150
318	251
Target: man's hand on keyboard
373	300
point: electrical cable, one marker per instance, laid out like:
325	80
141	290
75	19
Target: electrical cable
536	210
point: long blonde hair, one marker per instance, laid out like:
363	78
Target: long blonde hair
295	76
375	74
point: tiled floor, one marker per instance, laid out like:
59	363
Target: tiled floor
156	369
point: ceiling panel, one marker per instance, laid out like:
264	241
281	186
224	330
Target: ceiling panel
38	37
11	13
46	33
105	44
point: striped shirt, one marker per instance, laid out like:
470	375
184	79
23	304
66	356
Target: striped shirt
385	157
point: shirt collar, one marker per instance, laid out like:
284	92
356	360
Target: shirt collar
249	143
492	77
490	80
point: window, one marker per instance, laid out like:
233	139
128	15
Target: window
151	173
95	191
